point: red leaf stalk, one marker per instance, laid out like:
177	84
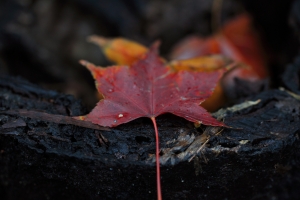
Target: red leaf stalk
159	196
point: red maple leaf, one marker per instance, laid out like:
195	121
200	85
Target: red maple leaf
148	89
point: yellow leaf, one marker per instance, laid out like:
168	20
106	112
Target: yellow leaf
119	50
200	64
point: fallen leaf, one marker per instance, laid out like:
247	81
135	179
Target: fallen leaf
151	89
216	100
119	50
237	40
148	88
195	46
126	52
201	64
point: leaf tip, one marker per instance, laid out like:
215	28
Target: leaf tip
83	62
101	41
87	64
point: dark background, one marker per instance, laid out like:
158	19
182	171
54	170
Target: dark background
42	40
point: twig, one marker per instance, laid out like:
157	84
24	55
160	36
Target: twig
200	148
103	141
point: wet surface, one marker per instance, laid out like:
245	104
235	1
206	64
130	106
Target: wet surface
258	158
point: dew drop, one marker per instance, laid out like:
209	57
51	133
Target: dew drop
110	90
121	115
115	121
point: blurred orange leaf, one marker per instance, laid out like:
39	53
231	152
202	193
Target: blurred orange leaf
119	50
236	40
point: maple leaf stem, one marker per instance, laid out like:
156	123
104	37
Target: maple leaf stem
159	196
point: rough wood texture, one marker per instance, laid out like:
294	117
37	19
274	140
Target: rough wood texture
43	41
257	159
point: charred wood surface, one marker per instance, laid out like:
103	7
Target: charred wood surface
258	158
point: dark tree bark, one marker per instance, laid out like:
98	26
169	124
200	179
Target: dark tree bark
257	158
